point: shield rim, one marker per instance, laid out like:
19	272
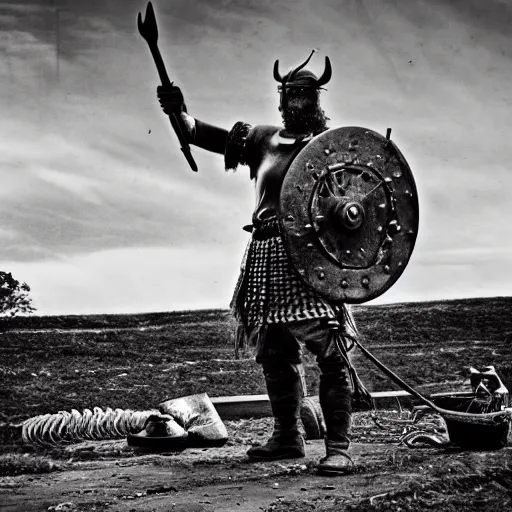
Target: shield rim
413	204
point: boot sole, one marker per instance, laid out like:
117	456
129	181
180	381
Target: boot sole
257	458
334	472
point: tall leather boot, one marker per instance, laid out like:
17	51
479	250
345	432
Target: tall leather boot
336	402
285	394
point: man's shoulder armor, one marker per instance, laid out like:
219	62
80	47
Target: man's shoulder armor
235	145
241	138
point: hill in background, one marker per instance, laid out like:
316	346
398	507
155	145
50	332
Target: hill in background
53	363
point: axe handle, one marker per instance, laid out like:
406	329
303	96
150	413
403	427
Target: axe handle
164	79
160	66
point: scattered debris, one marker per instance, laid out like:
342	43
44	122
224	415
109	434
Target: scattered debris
68	505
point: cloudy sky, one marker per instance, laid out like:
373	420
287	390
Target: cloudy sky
99	210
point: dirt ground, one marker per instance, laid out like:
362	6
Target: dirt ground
111	476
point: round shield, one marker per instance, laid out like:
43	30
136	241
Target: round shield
349	214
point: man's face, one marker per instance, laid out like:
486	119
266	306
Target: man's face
301	112
301	99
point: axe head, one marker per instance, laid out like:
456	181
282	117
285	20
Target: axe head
148	28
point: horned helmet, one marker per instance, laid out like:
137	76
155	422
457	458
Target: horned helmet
300	78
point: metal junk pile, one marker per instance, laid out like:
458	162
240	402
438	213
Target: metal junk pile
478	419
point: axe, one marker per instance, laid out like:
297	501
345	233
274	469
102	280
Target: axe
149	31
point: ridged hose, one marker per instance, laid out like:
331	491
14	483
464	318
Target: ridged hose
70	427
427	429
423	428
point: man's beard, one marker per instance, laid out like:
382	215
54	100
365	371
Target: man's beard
303	117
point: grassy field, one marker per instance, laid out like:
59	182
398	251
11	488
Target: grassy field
49	364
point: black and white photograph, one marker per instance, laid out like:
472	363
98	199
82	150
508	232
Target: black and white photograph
255	255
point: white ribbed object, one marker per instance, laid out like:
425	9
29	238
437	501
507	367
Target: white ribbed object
68	427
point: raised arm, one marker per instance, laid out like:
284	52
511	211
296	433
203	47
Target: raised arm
204	135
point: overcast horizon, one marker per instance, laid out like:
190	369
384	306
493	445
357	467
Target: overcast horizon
99	210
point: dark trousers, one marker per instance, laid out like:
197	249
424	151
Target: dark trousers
279	350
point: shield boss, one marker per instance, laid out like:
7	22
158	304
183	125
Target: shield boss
349	214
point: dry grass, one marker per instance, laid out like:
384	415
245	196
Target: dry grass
12	464
137	361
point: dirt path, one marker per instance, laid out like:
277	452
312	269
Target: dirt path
213	479
221	479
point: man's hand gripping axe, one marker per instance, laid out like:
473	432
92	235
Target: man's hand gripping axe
149	31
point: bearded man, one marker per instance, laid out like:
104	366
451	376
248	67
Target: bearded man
278	313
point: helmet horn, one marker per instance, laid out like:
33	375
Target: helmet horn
298	68
326	75
277	75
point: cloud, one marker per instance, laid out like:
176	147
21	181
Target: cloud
452	273
91	169
132	280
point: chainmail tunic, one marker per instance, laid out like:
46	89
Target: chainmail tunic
269	290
